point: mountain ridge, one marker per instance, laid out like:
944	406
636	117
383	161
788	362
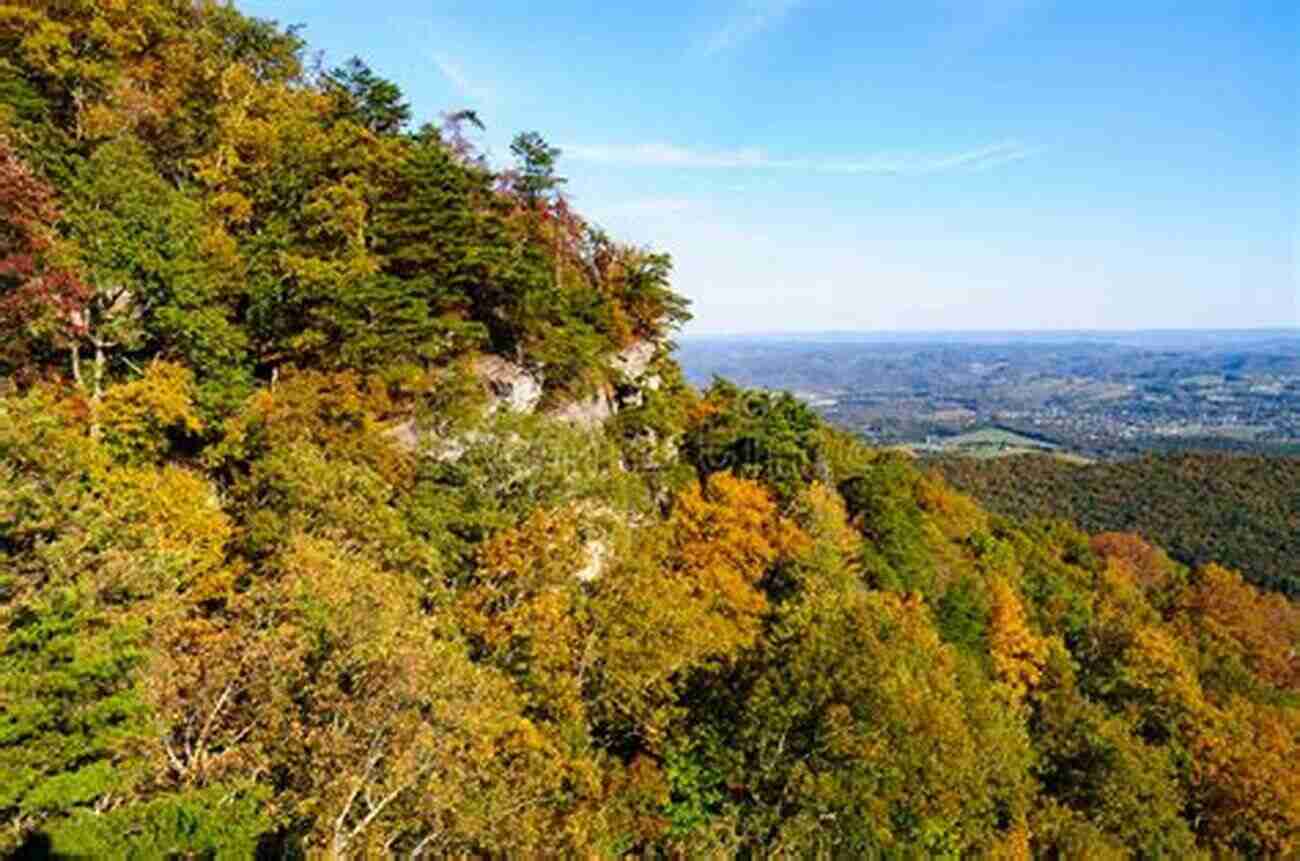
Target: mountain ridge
352	504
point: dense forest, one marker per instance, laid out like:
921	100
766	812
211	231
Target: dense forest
1238	510
294	562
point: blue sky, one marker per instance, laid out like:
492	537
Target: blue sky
928	164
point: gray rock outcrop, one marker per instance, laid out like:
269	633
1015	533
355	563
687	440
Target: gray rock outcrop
509	385
514	388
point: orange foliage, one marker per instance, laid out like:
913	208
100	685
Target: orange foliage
686	594
725	535
1014	846
1150	567
1120	600
700	411
1262	629
520	609
1158	671
343	413
1246	784
1018	654
956	514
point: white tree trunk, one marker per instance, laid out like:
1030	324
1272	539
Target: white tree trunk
76	366
100	360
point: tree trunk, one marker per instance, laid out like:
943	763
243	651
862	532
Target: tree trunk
99	371
557	254
76	366
98	391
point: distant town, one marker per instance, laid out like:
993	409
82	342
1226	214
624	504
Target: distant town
1089	395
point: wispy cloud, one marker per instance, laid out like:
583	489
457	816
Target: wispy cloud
651	207
747	20
881	164
462	81
666	155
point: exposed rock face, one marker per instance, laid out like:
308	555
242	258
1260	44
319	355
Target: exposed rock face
514	388
445	449
587	412
633	362
510	385
632	374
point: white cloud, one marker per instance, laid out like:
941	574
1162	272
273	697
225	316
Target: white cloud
746	21
666	155
463	82
652	207
882	164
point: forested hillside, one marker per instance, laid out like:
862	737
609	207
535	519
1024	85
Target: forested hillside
352	505
1238	510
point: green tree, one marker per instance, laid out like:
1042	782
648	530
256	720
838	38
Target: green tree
534	180
138	244
443	243
90	553
767	436
368	99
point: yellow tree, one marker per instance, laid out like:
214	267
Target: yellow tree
725	535
94	557
866	734
523	612
1018	654
328	676
685	594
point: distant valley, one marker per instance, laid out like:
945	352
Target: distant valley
1089	395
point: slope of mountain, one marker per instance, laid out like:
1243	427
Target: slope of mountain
353	505
1238	510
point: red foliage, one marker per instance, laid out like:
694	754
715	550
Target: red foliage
27	204
36	298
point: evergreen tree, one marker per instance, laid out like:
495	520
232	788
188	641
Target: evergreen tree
368	99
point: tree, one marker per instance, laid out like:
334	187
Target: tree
534	181
766	436
92	553
1239	628
138	247
293	193
520	611
1018	654
684	597
865	734
636	284
1245	794
453	131
388	737
1094	765
41	301
883	503
441	243
144	421
726	535
367	99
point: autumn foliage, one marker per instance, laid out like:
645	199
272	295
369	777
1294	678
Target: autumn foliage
278	579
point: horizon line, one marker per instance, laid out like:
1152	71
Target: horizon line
763	333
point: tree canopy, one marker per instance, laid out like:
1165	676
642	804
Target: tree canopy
282	575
